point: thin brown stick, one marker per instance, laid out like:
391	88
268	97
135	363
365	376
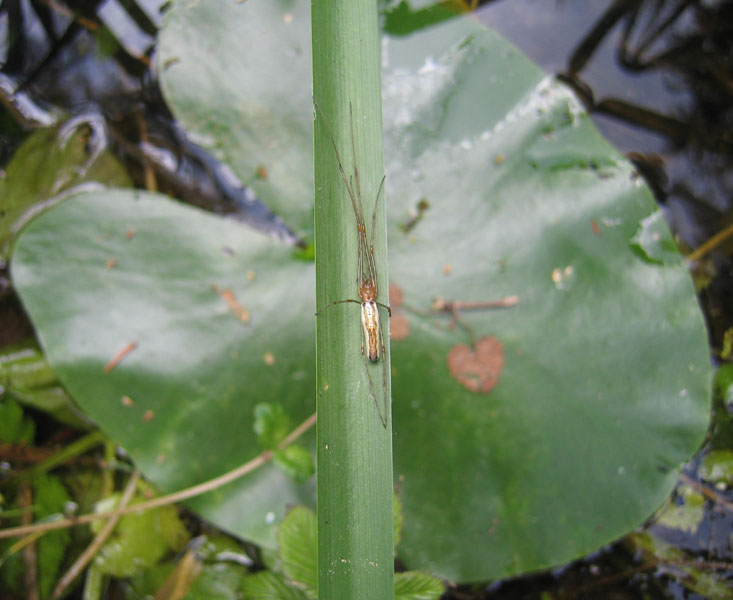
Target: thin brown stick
80	19
231	301
709	493
119	356
29	555
93	549
710	244
453	308
196	490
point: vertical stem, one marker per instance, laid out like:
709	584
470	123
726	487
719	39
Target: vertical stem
355	531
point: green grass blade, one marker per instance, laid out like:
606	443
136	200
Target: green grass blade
355	532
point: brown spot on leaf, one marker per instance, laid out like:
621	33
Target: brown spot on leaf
594	227
399	327
396	297
478	369
231	301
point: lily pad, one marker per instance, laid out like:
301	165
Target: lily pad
599	375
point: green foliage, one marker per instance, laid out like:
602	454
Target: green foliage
413	585
684	514
219	581
716	467
140	540
50	497
698	579
26	376
398	518
726	352
213	567
298	549
575	441
42	168
15	428
267	585
295	461
605	383
271	426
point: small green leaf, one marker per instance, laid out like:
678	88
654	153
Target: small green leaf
298	548
717	467
686	516
398	518
26	376
49	498
267	585
296	461
218	581
271	424
14	427
727	350
414	585
140	539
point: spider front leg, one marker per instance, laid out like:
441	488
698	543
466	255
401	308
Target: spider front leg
325	308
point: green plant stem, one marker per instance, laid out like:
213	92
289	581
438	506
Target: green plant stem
73	450
355	535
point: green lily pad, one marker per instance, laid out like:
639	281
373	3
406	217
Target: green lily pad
524	436
161	282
